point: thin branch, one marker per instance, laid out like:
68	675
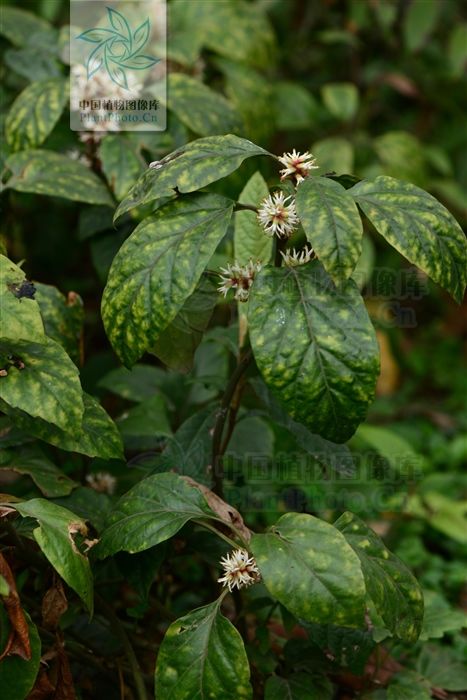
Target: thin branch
245	207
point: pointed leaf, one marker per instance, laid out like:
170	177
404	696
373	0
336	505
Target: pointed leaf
55	536
393	589
419	227
151	512
315	347
332	225
17	675
47	477
202	656
310	568
158	268
190	168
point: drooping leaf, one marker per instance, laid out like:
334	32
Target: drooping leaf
120	162
158	268
299	686
419	227
151	512
332	225
315	347
97	436
42	381
309	567
393	589
190	168
17	675
20	316
47	477
63	317
202	655
56	536
34	113
56	175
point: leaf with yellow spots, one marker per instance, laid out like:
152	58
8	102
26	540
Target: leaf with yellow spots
392	588
42	381
63	318
190	168
158	268
315	347
308	566
34	113
151	512
57	535
419	227
332	225
203	656
20	316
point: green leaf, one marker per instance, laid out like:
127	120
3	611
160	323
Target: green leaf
143	426
120	163
4	587
398	451
299	686
347	647
402	155
158	268
250	241
35	112
190	168
440	617
20	316
151	512
47	477
177	344
55	536
419	227
296	108
97	436
407	685
315	347
63	317
202	656
419	22
393	589
444	514
341	99
200	108
457	49
440	667
32	63
137	384
332	225
17	675
19	26
56	175
334	155
48	385
309	567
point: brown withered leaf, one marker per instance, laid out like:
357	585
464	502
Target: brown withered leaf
225	511
54	604
18	640
64	688
43	688
57	682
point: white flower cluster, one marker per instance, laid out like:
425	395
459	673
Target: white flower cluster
240	570
293	258
238	277
277	217
297	165
103	482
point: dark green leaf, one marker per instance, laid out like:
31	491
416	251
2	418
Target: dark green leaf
150	513
341	99
295	106
19	26
35	112
202	656
120	163
143	426
56	175
47	477
17	675
190	168
419	227
32	63
299	686
391	586
440	667
408	685
332	225
440	617
309	567
137	384
158	268
56	536
348	648
63	317
315	347
419	21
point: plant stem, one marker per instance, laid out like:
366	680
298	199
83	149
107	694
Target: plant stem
245	207
218	448
220	534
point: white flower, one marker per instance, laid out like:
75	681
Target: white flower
103	482
292	258
238	277
240	570
277	217
297	165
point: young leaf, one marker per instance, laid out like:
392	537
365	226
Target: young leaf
391	586
158	268
20	316
190	168
202	656
43	382
419	227
17	675
55	536
54	174
151	512
332	225
315	347
35	112
309	567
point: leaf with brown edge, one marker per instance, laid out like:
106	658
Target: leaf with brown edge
18	643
